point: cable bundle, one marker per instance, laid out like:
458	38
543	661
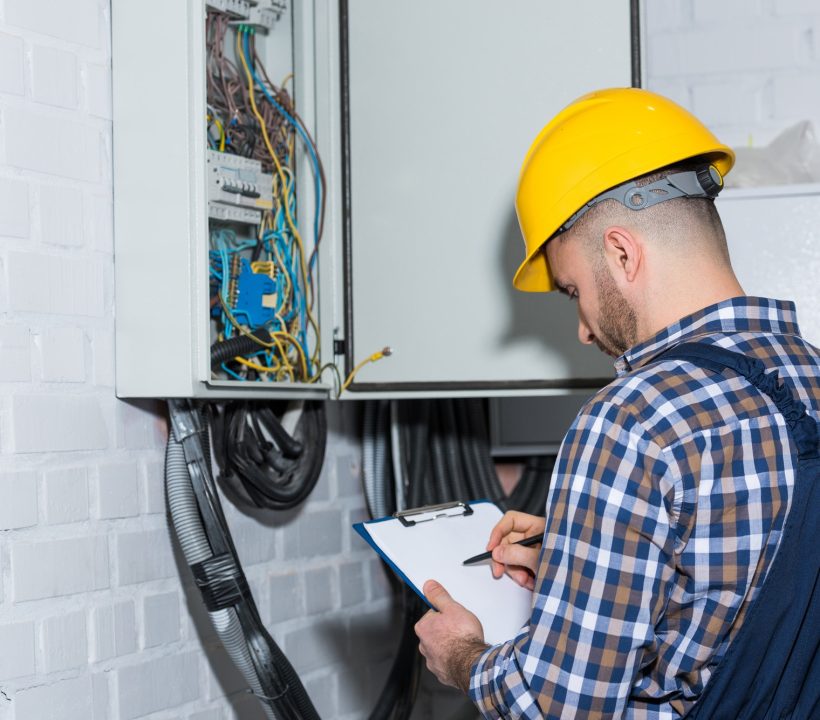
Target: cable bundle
202	530
423	453
264	464
250	116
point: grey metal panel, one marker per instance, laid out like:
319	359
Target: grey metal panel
152	223
532	425
445	99
774	241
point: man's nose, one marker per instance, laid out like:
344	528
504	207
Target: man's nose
585	335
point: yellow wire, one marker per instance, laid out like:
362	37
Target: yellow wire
375	357
256	366
222	135
219	126
274	157
280	172
293	341
286	366
285	272
274	336
338	377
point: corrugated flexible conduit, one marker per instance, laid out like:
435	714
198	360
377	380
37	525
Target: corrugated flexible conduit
397	453
196	548
374	457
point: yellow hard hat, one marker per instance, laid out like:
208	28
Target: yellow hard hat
601	140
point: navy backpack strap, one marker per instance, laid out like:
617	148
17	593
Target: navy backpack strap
771	668
802	426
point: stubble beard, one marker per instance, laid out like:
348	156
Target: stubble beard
617	321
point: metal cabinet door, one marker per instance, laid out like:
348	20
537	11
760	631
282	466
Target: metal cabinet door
445	97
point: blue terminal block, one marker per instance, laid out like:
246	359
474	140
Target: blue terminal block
252	287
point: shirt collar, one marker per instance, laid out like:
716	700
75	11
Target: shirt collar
739	314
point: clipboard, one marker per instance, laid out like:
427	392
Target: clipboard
431	542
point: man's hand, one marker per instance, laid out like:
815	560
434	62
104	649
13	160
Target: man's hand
451	638
519	562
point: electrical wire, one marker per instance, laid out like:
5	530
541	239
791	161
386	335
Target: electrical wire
203	533
264	464
375	357
248	115
242	50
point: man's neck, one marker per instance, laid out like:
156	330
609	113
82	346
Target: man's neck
677	300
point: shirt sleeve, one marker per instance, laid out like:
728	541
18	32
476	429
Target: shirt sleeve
603	578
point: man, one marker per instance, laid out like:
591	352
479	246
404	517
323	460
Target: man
672	485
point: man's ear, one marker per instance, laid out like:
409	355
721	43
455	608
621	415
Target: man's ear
623	251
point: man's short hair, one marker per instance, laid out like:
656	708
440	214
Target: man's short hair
666	222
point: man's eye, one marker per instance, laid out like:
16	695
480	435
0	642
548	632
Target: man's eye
572	294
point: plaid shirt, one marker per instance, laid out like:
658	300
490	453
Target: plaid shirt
665	510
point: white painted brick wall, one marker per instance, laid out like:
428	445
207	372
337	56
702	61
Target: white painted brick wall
117	493
56	422
748	68
15	354
62	224
11	65
62	354
14	212
95	621
64	643
61	700
65	495
54	77
18	658
114	630
61	566
160	619
19	506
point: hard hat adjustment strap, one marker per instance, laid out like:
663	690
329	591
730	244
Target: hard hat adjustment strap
705	182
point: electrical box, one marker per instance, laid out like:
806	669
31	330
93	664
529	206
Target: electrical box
421	114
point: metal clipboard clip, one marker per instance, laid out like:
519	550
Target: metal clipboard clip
432	512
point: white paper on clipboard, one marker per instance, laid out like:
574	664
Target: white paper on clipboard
434	548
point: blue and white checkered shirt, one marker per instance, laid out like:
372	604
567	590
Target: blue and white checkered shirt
665	510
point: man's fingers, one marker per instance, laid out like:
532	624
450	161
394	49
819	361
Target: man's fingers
522	577
439	598
517	555
503	528
515	522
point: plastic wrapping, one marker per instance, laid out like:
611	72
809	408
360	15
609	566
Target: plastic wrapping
792	158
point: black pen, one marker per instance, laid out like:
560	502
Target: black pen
534	540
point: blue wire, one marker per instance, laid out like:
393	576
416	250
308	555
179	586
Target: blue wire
229	244
300	130
233	374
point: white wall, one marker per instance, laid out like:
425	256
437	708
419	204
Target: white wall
94	622
747	68
750	69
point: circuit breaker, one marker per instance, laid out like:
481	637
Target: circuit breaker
300	184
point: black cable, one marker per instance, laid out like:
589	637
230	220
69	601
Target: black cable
239	345
478	430
451	445
222	579
260	461
418	459
447	454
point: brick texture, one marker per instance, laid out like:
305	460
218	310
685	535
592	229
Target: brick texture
748	68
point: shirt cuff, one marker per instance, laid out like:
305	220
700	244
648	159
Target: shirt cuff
486	687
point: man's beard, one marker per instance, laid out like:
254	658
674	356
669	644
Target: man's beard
617	322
